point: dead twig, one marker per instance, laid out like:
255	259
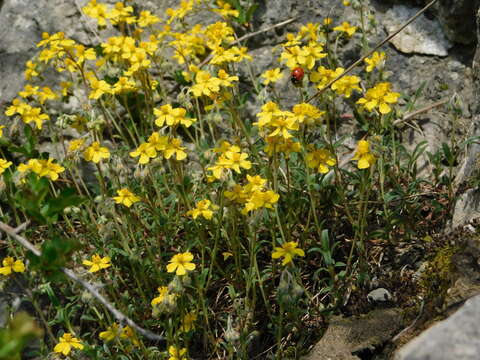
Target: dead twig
122	318
419	111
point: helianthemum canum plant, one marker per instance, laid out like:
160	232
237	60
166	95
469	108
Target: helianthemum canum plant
208	228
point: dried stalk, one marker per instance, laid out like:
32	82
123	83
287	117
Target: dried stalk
419	111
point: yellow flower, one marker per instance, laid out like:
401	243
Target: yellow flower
34	114
320	159
363	155
259	199
167	115
231	158
205	84
288	251
308	113
376	60
163	297
304	56
222	55
17	107
146	18
75	145
157	141
279	144
95	152
269	111
346	85
121	13
272	76
188	322
96	11
346	28
281	126
164	115
309	31
225	78
145	151
292	40
112	332
226	9
226	255
29	91
185	7
4	164
176	354
128	333
124	84
126	197
181	263
46	94
67	341
98	263
204	208
323	75
10	264
42	167
379	97
310	53
174	147
217	33
99	88
66	86
31	70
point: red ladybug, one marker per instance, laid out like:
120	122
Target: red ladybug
297	76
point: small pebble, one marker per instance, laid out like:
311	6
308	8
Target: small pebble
379	295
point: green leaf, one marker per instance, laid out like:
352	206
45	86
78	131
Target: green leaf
54	206
250	11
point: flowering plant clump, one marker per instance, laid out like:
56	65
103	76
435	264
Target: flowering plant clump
174	138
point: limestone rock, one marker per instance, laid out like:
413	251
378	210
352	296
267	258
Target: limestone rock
423	36
467	208
457	337
379	295
347	336
457	17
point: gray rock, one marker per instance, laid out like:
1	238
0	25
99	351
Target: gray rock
471	163
476	68
457	337
457	17
467	208
22	23
346	337
379	295
423	36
